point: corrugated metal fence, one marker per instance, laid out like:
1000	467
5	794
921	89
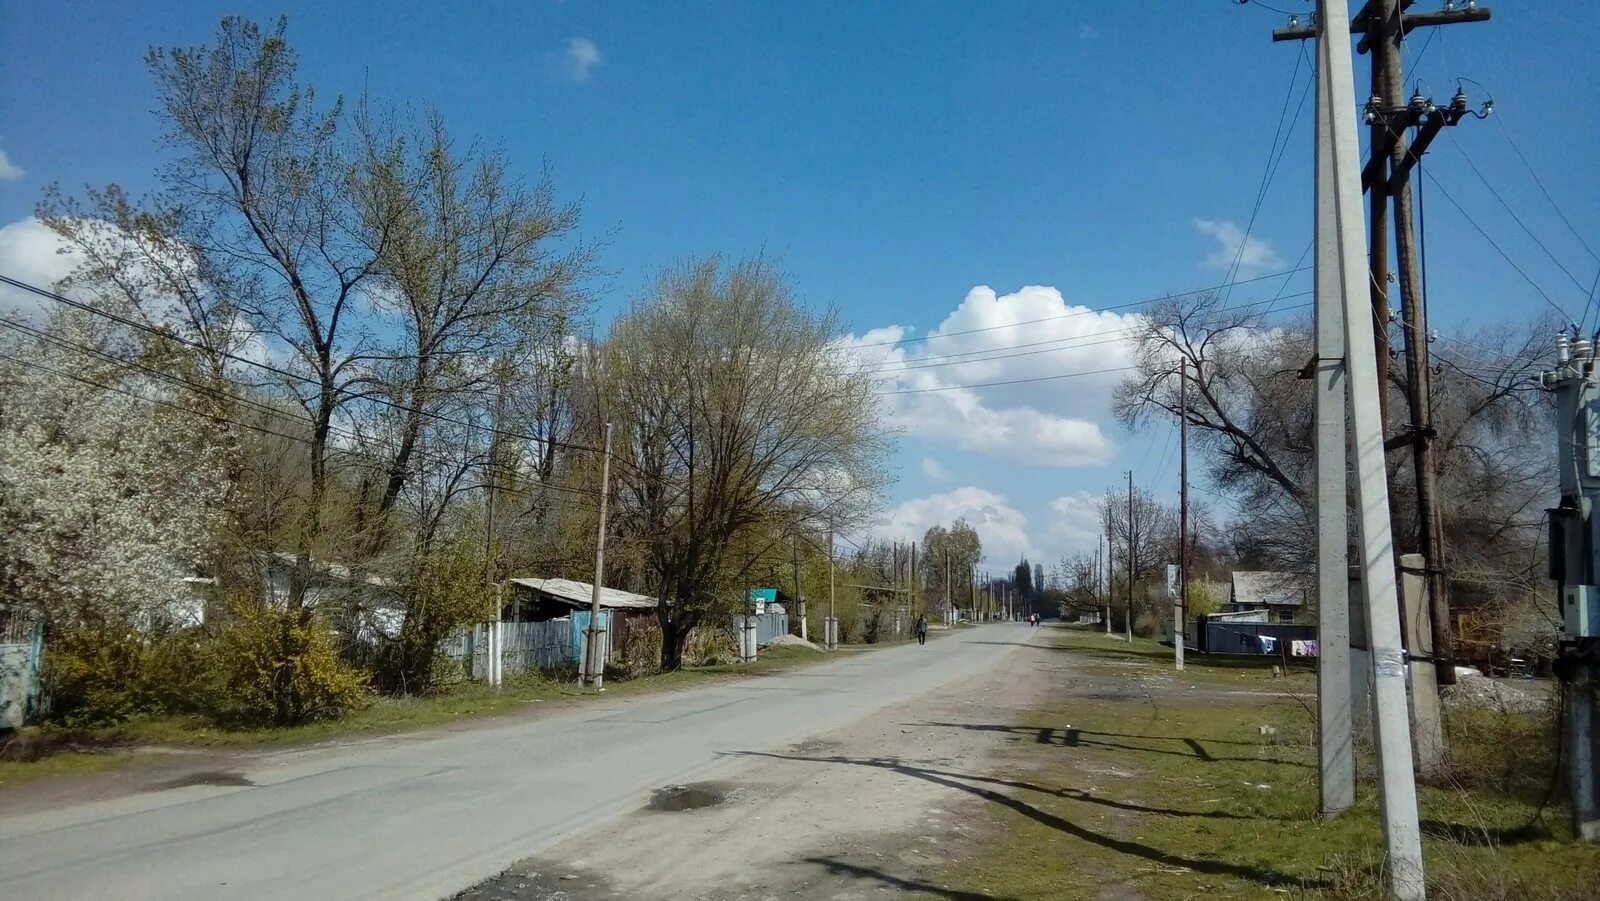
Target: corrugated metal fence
1219	637
548	645
21	645
768	626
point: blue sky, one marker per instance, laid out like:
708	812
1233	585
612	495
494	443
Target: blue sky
909	163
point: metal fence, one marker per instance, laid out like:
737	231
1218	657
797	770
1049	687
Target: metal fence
21	647
768	626
548	645
1220	637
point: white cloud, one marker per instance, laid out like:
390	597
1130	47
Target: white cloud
1002	527
1074	525
581	58
1028	339
1255	255
9	171
1086	32
30	252
935	470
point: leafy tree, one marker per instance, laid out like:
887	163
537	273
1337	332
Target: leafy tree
738	409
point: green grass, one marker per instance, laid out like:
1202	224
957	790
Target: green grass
1166	797
103	748
1111	654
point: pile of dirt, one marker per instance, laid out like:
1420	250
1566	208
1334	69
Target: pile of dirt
1496	694
792	639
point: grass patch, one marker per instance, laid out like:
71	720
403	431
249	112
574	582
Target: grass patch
63	752
1164	796
1111	654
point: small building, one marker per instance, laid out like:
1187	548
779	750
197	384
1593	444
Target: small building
542	600
1282	596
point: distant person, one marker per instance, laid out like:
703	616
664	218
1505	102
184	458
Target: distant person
922	629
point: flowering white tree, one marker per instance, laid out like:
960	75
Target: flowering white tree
109	489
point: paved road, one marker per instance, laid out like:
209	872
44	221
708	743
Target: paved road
425	816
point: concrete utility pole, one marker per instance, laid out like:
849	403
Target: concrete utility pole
799	591
1384	25
595	665
1575	560
1127	608
1396	782
1335	726
830	629
1180	612
948	619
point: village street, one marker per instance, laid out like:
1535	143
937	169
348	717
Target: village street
427	815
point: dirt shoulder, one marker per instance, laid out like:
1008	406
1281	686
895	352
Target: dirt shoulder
872	809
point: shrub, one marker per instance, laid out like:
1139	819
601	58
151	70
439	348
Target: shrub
282	668
641	652
448	595
95	675
1147	625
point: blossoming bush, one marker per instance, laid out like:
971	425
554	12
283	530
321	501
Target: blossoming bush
281	668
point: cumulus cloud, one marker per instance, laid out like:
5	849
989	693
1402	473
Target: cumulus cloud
1003	528
1074	524
9	171
935	470
31	252
581	58
1255	255
941	387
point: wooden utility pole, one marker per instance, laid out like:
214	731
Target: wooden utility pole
595	664
1182	609
1127	609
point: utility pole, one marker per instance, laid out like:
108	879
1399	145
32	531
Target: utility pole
1181	611
1396	780
948	620
1335	725
596	662
1127	609
799	592
1573	563
830	630
1384	25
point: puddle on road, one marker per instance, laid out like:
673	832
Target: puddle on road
209	777
697	796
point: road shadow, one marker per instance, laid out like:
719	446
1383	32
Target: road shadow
837	867
962	782
1079	738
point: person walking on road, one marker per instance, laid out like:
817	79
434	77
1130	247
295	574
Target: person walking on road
922	629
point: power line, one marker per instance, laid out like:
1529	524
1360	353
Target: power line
1507	207
1042	378
1497	248
1545	191
218	394
1083	312
948	359
284	373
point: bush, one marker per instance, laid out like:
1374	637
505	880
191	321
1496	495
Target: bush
448	595
95	675
714	647
641	652
1147	625
282	668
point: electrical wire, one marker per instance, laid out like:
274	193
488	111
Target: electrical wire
1042	378
948	359
1542	189
1507	207
283	373
1497	248
1084	312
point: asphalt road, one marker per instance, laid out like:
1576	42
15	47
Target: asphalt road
424	816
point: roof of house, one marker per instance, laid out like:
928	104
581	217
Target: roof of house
580	594
1282	589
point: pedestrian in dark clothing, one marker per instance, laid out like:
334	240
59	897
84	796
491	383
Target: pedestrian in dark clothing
922	629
